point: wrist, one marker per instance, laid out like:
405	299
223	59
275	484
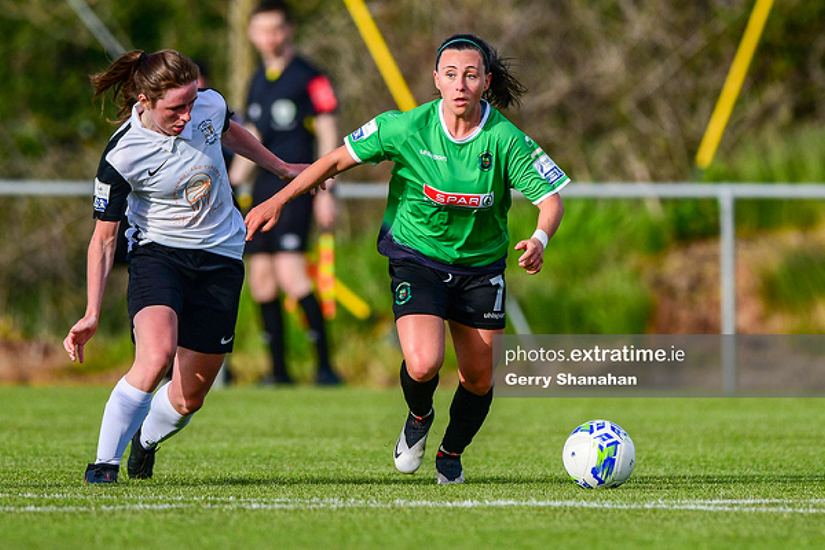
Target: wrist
541	236
92	315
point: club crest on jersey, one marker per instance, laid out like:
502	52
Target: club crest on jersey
208	131
485	161
462	200
403	293
364	131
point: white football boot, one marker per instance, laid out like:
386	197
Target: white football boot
409	449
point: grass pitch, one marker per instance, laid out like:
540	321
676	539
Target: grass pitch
312	468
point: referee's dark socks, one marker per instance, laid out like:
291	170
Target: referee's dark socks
419	395
317	329
467	414
273	318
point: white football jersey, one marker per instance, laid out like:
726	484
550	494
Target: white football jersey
176	187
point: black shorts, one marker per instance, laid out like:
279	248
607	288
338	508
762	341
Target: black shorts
203	288
291	233
473	300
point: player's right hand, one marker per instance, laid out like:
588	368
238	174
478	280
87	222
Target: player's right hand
79	334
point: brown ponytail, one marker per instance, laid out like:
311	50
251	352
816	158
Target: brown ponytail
138	72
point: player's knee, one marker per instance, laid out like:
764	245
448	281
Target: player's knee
155	360
263	286
298	290
189	404
263	293
479	385
423	367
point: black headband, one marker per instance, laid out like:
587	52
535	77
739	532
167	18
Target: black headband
468	41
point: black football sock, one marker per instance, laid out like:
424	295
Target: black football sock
273	319
467	414
317	329
419	395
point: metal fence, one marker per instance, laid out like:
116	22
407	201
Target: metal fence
725	194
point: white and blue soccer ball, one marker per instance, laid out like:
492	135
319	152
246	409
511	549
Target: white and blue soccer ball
599	454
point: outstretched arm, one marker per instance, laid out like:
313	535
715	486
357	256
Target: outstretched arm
100	258
266	214
551	211
239	140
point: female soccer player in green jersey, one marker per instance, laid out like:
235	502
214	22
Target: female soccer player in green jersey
445	232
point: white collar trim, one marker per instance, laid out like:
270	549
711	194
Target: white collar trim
485	114
167	143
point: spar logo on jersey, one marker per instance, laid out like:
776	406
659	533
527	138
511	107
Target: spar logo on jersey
462	200
364	131
546	168
208	131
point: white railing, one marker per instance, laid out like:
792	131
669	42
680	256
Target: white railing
725	194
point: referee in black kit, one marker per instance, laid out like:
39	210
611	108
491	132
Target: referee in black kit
291	107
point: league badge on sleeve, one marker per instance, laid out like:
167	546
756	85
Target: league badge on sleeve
547	169
102	191
364	131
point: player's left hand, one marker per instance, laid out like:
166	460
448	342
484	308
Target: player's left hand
533	258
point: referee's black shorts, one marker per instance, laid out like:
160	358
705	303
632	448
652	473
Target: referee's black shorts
473	300
291	233
203	288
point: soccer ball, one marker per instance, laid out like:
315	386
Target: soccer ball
599	454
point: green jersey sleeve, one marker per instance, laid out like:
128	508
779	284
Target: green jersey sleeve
377	140
533	172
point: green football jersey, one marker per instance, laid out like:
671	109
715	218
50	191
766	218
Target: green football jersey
449	198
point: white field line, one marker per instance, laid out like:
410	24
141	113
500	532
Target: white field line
770	506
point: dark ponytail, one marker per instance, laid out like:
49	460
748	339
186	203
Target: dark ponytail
138	72
505	90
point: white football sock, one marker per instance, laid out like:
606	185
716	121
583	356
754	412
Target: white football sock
163	420
125	410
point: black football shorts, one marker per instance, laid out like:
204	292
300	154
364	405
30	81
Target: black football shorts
291	233
473	300
203	288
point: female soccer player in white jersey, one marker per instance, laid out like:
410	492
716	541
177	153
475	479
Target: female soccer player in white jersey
445	232
164	168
